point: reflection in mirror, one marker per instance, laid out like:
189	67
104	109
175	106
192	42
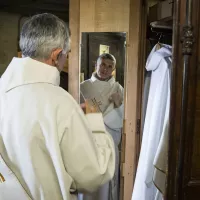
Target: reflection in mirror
102	82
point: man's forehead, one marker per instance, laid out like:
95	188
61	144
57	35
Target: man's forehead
107	61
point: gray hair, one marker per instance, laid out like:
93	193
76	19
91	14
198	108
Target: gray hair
106	56
43	33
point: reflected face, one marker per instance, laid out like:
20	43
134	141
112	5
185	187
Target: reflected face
105	68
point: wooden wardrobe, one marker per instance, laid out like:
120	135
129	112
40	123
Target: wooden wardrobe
130	16
183	177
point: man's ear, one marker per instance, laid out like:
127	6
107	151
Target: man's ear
114	67
55	53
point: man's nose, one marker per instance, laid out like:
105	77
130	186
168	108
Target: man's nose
105	69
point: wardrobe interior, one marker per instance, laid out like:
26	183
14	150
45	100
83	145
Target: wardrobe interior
168	152
157	32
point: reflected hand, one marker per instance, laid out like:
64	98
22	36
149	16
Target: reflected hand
83	107
116	99
91	108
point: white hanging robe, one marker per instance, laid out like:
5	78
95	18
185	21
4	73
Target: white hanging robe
160	161
144	188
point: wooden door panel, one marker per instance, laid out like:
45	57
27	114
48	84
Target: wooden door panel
184	147
195	171
192	192
191	167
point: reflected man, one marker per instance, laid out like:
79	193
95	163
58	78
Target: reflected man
106	94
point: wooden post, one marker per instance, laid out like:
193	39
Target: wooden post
73	70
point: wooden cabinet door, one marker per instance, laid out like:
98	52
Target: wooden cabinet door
184	149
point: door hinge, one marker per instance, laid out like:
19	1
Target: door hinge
122	170
138	126
124	126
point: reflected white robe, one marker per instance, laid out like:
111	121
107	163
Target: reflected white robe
144	189
113	119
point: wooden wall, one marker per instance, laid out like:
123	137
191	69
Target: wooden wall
111	16
104	16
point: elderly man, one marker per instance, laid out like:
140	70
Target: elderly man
48	148
105	93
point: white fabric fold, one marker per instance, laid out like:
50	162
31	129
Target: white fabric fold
114	119
53	150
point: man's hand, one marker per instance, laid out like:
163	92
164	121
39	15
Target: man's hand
116	99
88	108
83	107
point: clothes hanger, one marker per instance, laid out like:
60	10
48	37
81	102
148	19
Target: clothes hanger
159	45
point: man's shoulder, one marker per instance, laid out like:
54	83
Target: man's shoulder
65	104
88	81
59	96
119	85
64	95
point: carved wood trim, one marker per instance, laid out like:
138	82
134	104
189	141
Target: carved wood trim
194	183
187	40
172	156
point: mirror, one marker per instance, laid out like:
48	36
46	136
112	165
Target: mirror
103	60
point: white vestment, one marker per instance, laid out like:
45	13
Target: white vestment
100	92
144	188
49	149
161	157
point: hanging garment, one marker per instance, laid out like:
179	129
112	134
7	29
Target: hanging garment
161	158
52	149
144	189
100	92
147	82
